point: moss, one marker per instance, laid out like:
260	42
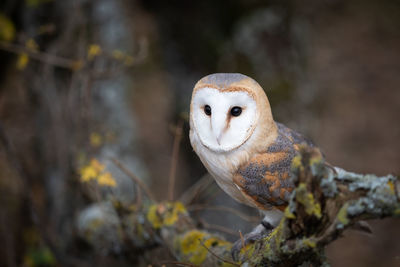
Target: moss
307	200
165	214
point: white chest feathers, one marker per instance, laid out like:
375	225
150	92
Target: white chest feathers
222	166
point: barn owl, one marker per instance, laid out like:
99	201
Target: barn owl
248	154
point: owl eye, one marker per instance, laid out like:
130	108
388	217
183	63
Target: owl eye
236	111
207	110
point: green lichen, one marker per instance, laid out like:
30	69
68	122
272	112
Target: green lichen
342	216
165	214
307	200
269	246
288	214
316	160
309	243
296	163
247	251
391	187
397	212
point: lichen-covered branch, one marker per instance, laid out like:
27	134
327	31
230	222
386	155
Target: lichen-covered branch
325	202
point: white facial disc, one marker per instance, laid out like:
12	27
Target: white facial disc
221	131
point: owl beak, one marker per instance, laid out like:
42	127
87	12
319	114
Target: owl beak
219	139
218	125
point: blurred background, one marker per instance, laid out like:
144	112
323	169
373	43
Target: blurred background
87	86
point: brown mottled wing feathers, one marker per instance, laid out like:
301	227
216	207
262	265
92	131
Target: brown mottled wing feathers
266	180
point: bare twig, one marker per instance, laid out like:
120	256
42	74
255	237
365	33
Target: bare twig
241	238
190	195
218	257
223	208
218	228
40	56
174	160
134	178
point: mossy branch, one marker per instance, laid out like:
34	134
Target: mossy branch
325	202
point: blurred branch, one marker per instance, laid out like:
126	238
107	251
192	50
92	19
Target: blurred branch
225	209
135	179
190	195
174	159
40	56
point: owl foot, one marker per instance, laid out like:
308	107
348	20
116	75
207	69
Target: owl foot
261	231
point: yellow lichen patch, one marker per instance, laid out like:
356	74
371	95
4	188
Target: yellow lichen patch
296	162
91	171
93	51
95	140
35	3
397	212
174	210
227	264
165	214
214	241
316	159
247	250
273	239
95	171
106	179
307	200
342	215
289	214
191	241
129	60
22	61
194	245
118	54
7	29
309	243
76	65
391	187
32	45
153	217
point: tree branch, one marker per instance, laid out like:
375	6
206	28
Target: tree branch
326	201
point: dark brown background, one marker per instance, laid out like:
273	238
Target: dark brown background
331	70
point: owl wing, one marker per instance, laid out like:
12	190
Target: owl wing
266	180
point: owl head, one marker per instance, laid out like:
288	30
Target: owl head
226	109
